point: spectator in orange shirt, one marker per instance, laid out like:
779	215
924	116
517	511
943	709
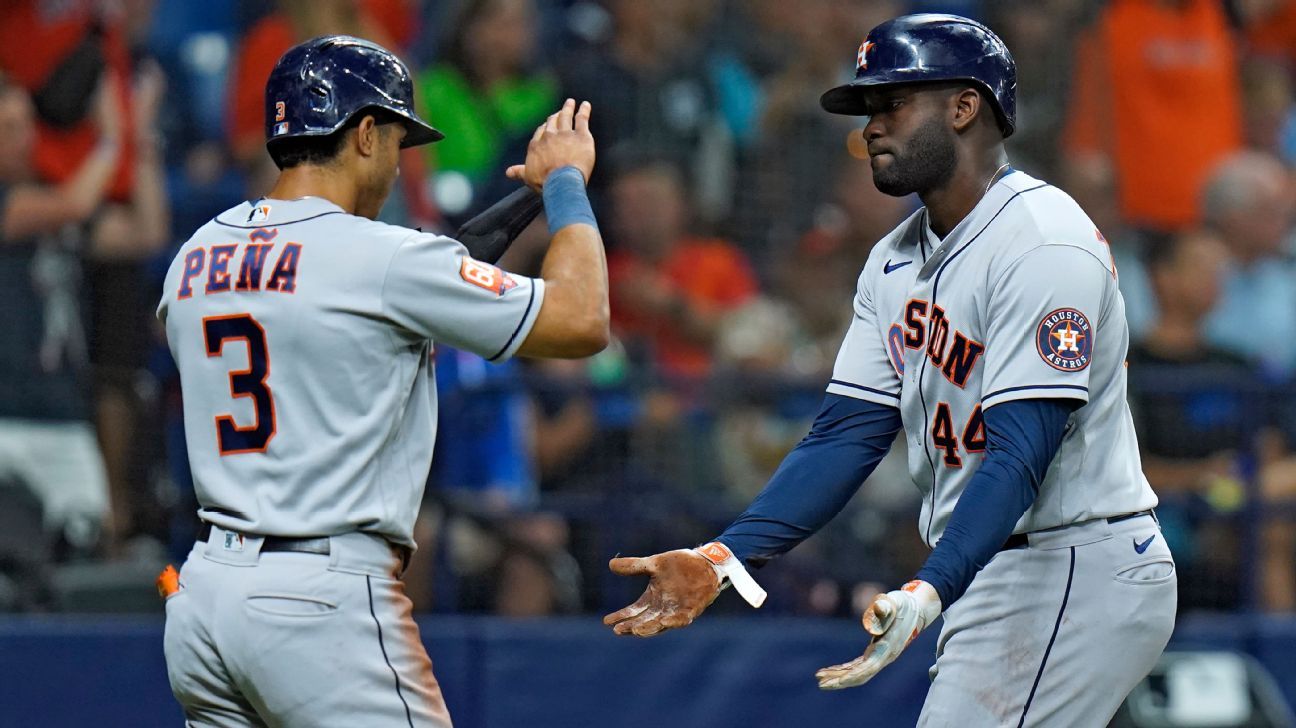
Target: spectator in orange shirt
1270	27
670	289
1156	90
58	53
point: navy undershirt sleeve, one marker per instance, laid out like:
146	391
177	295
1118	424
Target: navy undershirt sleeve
1022	436
816	479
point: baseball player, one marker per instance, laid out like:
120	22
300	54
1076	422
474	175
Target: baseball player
303	331
989	326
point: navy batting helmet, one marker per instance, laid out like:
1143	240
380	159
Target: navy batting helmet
929	47
317	86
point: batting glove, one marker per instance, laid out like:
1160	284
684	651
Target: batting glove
894	619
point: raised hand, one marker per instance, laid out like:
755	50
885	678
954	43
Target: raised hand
563	140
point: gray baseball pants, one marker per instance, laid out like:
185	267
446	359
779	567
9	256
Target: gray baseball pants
1057	633
296	639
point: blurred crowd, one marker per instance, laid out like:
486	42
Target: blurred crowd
737	216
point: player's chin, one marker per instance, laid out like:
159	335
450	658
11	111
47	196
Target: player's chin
888	182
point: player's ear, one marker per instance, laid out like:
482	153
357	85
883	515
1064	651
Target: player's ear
367	136
966	105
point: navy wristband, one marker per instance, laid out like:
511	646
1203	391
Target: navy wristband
565	200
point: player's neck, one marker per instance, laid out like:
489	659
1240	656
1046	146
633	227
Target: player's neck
309	180
948	204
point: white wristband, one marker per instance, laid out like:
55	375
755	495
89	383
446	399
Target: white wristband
728	567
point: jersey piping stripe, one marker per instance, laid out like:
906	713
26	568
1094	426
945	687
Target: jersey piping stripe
408	717
922	369
1056	625
219	221
863	388
525	314
1006	390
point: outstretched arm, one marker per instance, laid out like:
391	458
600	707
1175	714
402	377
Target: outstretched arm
811	486
815	481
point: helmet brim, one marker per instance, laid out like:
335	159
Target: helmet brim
863	96
419	132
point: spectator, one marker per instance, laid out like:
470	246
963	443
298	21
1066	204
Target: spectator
1156	92
1092	182
1269	108
797	329
1248	202
1194	417
670	288
800	146
506	557
1040	36
75	46
47	442
122	236
648	85
486	98
58	53
1270	27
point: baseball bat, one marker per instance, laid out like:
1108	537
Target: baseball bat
490	233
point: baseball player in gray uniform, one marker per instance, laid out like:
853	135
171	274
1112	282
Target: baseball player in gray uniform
989	325
304	331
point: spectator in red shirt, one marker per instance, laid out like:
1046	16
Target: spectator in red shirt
58	53
670	288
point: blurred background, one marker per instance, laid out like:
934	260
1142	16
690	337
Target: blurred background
736	220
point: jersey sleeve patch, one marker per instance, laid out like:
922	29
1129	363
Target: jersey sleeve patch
1064	340
487	276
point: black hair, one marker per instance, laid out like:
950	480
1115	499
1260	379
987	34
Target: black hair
1160	249
323	150
466	15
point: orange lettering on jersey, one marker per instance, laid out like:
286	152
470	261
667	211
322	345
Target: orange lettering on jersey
956	360
960	359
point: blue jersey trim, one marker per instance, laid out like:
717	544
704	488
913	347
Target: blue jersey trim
1040	673
863	388
527	312
1006	390
218	221
409	719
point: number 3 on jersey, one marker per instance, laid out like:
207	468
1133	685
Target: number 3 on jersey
942	434
250	382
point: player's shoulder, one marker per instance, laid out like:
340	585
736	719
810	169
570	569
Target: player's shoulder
1038	214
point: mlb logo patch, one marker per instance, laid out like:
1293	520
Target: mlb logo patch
281	129
233	541
260	213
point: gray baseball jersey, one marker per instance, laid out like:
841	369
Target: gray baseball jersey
1019	301
304	336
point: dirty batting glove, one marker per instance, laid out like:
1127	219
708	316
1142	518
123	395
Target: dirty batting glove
894	619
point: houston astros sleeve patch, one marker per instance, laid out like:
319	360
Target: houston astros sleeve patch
1065	340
